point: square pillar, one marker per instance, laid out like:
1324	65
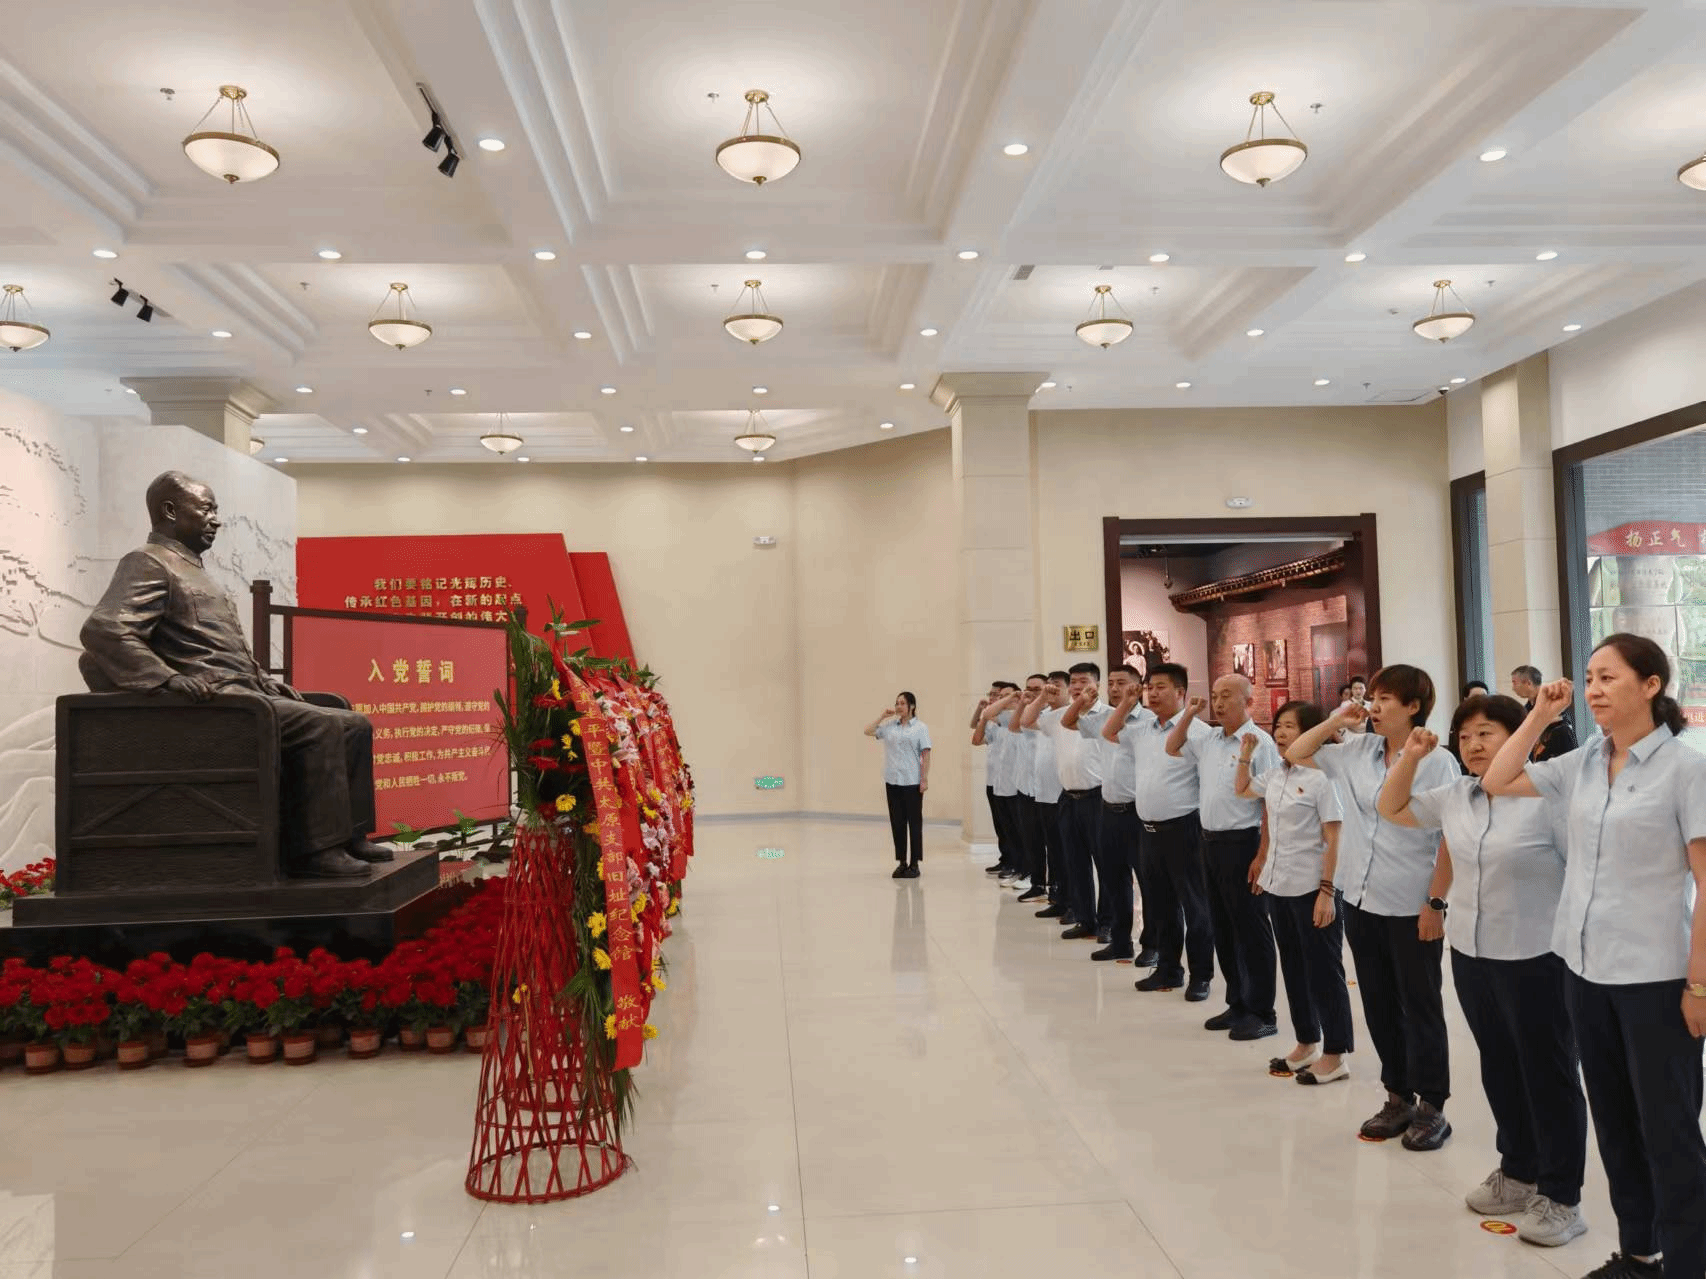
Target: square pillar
1522	538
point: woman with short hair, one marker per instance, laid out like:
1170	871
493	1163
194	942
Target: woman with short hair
906	776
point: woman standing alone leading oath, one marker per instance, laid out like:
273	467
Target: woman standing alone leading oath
1634	942
906	776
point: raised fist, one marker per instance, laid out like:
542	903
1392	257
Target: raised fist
1420	742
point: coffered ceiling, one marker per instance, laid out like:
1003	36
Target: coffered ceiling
610	114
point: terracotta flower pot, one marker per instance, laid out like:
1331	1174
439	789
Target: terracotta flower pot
41	1059
411	1041
105	1047
365	1042
156	1043
301	1048
78	1056
262	1048
441	1039
11	1051
201	1050
476	1037
330	1035
133	1054
224	1038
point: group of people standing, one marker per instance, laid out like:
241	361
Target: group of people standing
1568	876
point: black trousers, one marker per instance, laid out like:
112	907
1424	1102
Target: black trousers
998	814
1518	1011
1642	1070
1026	819
1116	866
1184	930
1243	933
328	776
1399	977
1151	888
1046	853
906	818
1313	961
1080	827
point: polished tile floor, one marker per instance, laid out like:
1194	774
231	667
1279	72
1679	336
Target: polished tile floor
857	1078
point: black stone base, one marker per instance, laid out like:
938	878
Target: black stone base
361	918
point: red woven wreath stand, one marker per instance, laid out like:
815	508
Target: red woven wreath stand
544	1127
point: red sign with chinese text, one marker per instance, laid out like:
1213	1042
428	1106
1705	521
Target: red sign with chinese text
475	577
437	739
1650	537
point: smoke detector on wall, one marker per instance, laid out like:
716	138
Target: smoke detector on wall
764	539
1240	503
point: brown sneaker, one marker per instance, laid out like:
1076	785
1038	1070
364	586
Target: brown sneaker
1428	1130
1393	1120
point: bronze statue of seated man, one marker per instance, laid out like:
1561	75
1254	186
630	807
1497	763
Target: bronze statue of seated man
164	624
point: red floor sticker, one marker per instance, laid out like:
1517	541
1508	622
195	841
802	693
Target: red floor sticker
1373	1141
1498	1227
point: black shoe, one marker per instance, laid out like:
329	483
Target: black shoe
1112	951
1393	1120
1248	1028
1148	957
1155	981
1054	911
1000	868
1069	920
333	863
1221	1021
911	871
1621	1267
1032	894
1104	935
1428	1130
1197	991
364	850
899	871
1078	932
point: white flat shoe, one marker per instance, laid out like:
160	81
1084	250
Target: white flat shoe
1285	1068
1331	1077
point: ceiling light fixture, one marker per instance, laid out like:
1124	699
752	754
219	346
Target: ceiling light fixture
1546	255
221	333
1358	256
503	439
761	390
398	330
758	457
256	444
1458	381
626	430
358	430
281	460
1260	159
234	154
108	254
330	255
544	255
607	390
305	390
909	386
1102	329
756	255
1572	328
642	458
491	144
1693	174
459	390
885	426
1182	386
754	156
754	324
1160	257
968	255
928	333
1015	148
1497	153
1439	324
404	458
757	436
1323	381
1046	386
19	335
1254	333
523	459
581	335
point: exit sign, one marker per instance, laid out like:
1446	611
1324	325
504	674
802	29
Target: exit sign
770	854
767	783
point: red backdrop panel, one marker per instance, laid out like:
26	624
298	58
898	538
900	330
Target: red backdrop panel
437	745
474	576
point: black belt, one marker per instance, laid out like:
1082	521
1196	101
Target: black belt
1117	806
1081	794
1154	827
1228	836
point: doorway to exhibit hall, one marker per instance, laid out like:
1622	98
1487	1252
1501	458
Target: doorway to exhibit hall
1292	604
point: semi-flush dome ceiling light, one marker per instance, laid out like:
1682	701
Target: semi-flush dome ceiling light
398	330
1439	324
756	156
1102	329
757	436
256	444
1260	159
752	323
234	154
1693	174
18	335
502	439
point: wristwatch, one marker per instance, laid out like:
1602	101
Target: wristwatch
1439	904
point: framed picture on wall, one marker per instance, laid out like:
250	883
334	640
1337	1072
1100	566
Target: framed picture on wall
1274	652
1145	649
1277	697
1244	661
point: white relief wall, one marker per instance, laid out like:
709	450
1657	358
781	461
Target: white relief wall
70	507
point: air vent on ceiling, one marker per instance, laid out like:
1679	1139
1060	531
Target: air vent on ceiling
1104	268
1401	397
1024	272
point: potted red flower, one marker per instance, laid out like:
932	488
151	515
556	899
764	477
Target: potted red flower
184	995
356	1005
292	1013
15	978
327	975
131	1021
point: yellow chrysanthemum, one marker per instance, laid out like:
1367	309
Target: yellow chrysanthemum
600	958
636	910
686	803
565	803
658	983
575	728
674	908
515	997
650	812
557	689
656	794
610	1026
651	1031
569	745
595	923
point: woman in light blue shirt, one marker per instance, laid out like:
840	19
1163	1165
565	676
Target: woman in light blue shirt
906	776
1502	871
1634	942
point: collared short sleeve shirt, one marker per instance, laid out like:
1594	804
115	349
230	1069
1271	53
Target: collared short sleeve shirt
1045	782
1078	760
1003	755
903	751
1627	901
1299	801
1166	784
1117	763
1383	869
1216	758
1507	868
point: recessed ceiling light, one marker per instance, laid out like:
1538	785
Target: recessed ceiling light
523	459
402	459
1458	381
130	390
105	253
1254	333
491	144
1572	328
968	255
928	333
756	255
222	333
330	255
758	457
358	430
457	390
642	458
1323	381
544	255
627	430
1160	257
1546	255
885	426
1358	256
761	390
607	390
1014	148
281	459
909	386
305	390
775	1207
1046	386
1497	153
1183	386
581	335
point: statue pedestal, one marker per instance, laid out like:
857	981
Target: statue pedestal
354	918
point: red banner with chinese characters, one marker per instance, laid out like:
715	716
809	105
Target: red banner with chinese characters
437	739
476	577
1650	537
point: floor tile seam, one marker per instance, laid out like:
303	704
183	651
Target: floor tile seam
793	1102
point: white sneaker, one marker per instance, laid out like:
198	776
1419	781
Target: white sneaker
1550	1224
1022	883
1500	1196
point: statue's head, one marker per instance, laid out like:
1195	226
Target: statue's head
183	509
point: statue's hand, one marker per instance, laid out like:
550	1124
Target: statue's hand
197	690
280	689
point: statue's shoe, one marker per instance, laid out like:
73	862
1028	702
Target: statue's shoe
333	863
367	851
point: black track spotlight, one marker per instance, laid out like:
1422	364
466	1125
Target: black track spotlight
447	166
146	314
123	294
435	136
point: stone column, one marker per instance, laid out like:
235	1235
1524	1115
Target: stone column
1522	538
995	502
221	408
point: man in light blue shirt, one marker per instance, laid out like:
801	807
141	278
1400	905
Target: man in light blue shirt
1080	766
1116	850
1006	841
906	776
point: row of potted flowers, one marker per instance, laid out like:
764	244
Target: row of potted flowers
31	881
437	987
